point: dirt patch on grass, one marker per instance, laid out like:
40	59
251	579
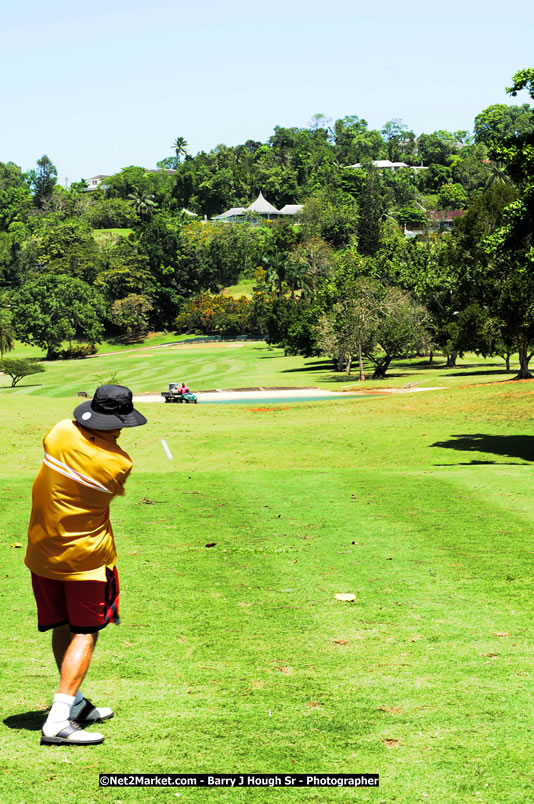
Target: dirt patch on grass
269	410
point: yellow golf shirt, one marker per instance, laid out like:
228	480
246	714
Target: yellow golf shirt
70	535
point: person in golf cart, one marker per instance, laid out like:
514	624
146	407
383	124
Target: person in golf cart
184	389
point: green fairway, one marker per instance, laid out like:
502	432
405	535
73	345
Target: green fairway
237	657
243	288
110	235
152	339
149	367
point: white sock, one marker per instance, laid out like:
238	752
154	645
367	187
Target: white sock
59	714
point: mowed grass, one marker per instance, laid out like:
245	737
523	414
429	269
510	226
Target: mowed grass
238	657
25	350
243	288
103	236
148	368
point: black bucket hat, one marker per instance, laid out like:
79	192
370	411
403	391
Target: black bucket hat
110	408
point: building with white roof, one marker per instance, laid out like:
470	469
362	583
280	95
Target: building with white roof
385	164
260	207
230	215
292	209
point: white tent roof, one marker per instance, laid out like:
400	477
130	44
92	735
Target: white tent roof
230	213
262	206
383	163
291	209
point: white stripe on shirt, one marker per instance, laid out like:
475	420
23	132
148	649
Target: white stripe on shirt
64	469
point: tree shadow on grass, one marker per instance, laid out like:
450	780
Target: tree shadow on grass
31	721
326	365
468	372
514	446
317	365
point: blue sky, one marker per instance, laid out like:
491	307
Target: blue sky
114	83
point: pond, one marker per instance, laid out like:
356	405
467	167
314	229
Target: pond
278	400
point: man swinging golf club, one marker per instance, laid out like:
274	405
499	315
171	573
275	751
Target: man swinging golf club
71	551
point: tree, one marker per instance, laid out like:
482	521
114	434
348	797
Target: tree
135	180
349	328
180	147
501	122
437	147
401	327
271	247
345	131
43	180
511	246
143	203
399	139
310	261
51	308
215	315
332	216
131	316
461	275
412	217
7	331
497	174
123	270
18	368
471	168
371	211
452	196
174	263
110	213
65	247
15	197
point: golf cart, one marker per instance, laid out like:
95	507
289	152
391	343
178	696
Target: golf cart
175	395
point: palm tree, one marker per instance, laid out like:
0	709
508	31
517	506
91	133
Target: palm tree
144	204
180	147
7	331
497	174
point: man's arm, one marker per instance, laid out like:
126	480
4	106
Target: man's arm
120	491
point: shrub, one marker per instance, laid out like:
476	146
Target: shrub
213	314
77	351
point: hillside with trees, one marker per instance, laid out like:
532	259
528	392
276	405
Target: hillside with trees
432	251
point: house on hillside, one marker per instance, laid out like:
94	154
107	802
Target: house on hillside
444	218
260	207
439	221
96	181
385	164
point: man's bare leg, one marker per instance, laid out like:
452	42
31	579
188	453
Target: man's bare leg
73	654
61	637
77	650
75	662
62	641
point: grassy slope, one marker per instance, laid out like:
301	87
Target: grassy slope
243	288
110	235
152	339
232	365
239	658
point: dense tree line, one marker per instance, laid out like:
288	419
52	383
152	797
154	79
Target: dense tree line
343	279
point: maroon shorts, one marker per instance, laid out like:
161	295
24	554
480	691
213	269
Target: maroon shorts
86	606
